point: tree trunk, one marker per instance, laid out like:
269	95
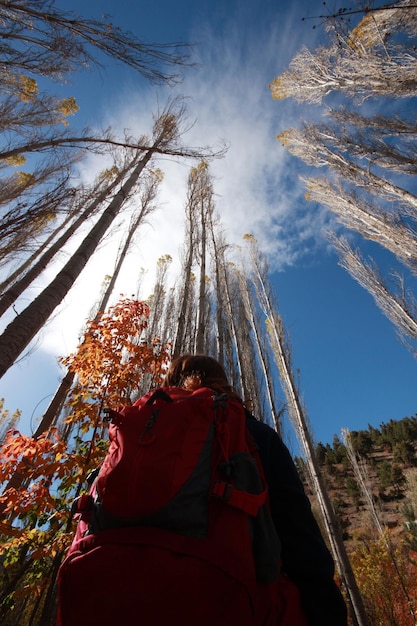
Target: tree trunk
202	293
300	422
32	258
25	326
158	303
260	345
178	344
240	377
9	296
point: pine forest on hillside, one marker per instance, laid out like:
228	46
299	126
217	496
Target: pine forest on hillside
364	488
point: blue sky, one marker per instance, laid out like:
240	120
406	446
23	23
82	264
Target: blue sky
352	368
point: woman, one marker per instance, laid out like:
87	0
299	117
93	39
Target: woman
305	557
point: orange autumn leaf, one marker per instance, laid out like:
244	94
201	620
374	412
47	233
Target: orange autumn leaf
36	524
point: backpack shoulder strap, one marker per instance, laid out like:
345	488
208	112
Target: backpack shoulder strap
240	481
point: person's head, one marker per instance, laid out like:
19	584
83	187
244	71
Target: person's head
191	371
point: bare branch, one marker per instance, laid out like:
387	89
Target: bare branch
401	310
39	38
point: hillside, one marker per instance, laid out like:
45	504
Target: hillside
387	461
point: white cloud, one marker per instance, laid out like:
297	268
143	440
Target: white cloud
229	101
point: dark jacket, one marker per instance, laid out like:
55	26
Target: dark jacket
305	556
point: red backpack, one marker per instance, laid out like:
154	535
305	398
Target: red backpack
176	527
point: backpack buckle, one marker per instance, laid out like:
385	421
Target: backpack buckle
222	490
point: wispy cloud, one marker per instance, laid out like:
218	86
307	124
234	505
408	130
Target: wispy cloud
256	184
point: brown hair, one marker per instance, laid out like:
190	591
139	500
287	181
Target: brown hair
191	371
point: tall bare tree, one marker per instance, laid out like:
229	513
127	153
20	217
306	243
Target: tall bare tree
146	207
157	301
282	355
99	194
35	251
30	202
253	315
369	155
189	254
18	334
